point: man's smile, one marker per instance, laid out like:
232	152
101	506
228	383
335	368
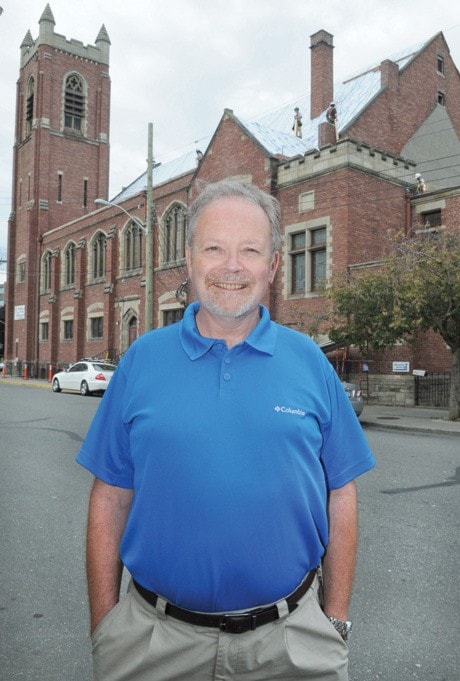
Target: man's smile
228	287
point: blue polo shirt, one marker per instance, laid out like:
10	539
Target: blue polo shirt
231	454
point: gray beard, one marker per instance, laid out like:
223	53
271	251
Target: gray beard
242	311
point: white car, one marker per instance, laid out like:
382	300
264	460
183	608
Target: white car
85	377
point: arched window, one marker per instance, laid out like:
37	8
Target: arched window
132	330
30	104
21	269
174	234
99	245
69	265
46	272
74	103
133	247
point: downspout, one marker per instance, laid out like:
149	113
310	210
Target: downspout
37	320
408	225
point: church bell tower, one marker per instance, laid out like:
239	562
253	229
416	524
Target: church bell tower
60	161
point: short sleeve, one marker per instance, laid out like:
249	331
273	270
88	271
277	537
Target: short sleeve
345	453
105	452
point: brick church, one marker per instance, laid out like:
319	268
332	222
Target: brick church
77	272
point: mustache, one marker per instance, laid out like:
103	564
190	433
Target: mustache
228	279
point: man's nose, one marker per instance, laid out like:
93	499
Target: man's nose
233	261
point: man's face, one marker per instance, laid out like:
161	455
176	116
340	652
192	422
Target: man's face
231	264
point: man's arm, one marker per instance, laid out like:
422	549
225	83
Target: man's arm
108	512
340	558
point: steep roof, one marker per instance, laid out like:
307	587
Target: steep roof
351	97
162	172
272	130
47	15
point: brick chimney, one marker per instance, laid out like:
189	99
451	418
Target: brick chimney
322	72
389	74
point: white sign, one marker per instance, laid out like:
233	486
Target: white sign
401	367
19	312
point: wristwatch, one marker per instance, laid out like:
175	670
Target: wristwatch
344	628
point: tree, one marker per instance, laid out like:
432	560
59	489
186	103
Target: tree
416	287
366	311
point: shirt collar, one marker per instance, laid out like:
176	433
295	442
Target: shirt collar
262	338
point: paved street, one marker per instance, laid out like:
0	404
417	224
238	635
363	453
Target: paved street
405	608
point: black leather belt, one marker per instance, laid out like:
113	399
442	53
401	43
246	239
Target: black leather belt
231	623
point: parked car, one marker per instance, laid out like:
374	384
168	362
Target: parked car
356	397
86	377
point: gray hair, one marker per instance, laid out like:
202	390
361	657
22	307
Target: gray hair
233	188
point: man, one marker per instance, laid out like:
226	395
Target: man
224	452
297	127
331	114
420	184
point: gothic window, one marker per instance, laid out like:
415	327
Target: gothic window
69	265
21	270
99	246
174	235
133	247
30	104
46	272
74	103
132	330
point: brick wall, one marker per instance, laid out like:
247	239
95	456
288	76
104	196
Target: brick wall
409	99
354	190
43	152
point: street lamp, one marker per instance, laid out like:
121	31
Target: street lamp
148	231
103	202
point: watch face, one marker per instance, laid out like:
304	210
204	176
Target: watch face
343	628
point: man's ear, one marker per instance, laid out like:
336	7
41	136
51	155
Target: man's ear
188	259
274	266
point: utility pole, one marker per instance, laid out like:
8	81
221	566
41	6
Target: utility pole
150	238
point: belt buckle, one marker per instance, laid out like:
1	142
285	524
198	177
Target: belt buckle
238	624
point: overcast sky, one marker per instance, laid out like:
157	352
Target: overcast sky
180	63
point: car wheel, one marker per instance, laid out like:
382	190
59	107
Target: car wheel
56	387
84	390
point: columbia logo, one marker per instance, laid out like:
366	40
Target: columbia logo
289	410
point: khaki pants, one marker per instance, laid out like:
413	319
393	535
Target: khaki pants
137	642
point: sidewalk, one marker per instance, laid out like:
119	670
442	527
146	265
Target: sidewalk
412	419
28	383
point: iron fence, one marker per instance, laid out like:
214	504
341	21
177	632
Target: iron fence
432	390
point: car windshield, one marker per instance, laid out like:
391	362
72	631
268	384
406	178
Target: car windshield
104	367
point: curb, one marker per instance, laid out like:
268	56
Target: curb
26	383
408	428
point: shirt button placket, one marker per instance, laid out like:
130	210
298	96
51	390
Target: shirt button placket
226	373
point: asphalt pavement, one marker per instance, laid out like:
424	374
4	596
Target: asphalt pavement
415	419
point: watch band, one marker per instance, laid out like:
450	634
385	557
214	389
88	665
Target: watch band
343	627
